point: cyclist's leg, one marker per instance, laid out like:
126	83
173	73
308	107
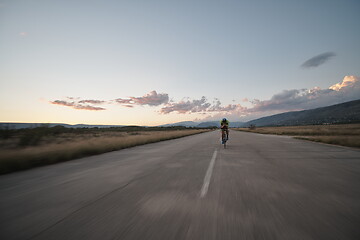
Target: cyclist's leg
222	134
227	134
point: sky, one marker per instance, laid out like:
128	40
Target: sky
156	62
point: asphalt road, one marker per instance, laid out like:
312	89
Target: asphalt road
260	187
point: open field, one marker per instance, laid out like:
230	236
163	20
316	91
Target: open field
342	134
31	148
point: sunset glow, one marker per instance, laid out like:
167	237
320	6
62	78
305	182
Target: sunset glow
347	82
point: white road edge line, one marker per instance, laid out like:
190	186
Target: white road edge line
207	178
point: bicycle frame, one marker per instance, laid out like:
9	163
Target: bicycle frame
224	136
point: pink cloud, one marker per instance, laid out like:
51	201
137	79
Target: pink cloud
76	105
348	81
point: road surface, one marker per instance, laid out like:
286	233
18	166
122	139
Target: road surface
260	187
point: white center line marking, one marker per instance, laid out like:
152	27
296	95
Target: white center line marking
207	178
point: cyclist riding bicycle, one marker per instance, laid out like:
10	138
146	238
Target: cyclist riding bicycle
224	125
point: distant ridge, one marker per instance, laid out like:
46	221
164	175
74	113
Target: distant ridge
183	124
348	112
202	124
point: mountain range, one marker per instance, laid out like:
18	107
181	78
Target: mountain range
348	112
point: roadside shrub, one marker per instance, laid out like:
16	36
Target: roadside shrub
6	133
29	140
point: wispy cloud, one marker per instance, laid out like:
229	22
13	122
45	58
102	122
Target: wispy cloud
23	34
318	60
152	99
123	101
76	105
95	102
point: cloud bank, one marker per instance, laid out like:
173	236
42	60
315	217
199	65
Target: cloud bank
301	99
287	100
295	100
318	60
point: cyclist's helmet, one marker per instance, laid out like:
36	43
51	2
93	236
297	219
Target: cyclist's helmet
224	119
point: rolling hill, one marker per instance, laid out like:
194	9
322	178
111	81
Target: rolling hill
348	112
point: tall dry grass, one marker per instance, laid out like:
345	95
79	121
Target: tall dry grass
342	134
312	130
24	158
348	141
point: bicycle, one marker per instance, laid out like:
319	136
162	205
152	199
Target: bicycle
224	137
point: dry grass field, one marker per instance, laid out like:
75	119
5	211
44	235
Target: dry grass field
61	147
342	134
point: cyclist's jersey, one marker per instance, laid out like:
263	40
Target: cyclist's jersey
226	123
